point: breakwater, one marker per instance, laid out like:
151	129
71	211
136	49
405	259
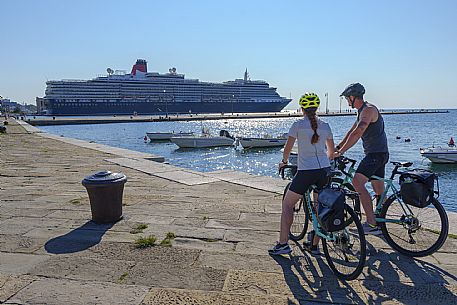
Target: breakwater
51	120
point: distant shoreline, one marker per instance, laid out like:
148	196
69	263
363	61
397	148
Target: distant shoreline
50	120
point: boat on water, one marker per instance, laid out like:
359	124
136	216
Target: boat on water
164	136
205	140
143	93
261	142
440	154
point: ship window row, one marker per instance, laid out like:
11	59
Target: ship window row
57	105
158	89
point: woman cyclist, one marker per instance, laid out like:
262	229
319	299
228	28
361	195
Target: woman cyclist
315	147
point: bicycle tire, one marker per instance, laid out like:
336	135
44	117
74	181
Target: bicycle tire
344	250
350	187
423	227
301	218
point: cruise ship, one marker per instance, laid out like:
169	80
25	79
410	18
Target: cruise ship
143	93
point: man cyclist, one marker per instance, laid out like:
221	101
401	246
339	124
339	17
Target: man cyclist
370	127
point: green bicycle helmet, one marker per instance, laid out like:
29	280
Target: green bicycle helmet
309	100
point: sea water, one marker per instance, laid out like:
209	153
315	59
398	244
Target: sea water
406	134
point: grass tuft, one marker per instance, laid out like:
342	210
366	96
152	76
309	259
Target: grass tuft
145	242
139	228
122	277
166	242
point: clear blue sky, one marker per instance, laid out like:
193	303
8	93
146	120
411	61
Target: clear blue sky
404	52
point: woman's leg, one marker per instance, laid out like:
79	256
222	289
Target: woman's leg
287	215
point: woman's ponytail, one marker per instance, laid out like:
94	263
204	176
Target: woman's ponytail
311	114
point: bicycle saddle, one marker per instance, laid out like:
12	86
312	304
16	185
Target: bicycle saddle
402	164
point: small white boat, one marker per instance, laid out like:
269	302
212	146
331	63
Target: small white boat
156	136
205	140
261	142
440	154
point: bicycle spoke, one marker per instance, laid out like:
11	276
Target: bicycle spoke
347	252
418	234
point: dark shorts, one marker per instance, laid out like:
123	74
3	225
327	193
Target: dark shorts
374	164
303	179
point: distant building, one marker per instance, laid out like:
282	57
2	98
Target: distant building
7	105
41	104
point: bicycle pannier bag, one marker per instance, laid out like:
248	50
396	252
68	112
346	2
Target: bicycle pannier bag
416	187
331	208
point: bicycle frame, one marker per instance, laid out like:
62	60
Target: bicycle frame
388	185
316	225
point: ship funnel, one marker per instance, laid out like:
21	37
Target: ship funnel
140	65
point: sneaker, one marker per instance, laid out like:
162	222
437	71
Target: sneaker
314	250
280	249
369	229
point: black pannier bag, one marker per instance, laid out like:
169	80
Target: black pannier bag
417	186
331	209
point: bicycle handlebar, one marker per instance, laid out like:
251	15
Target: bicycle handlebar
281	170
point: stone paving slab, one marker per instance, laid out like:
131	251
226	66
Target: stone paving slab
105	148
166	171
62	291
293	285
217	246
146	167
157	254
11	284
186	296
19	263
87	269
243	225
19	244
175	276
409	293
186	178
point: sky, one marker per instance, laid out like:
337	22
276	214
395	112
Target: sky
403	52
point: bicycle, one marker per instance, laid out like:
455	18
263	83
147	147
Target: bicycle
404	226
345	250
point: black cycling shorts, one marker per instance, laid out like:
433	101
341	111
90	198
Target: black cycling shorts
303	179
374	164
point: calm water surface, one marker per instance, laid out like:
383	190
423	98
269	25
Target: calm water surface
422	129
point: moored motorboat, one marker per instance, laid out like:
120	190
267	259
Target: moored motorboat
440	154
261	142
162	136
205	140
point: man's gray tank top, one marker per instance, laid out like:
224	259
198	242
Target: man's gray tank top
374	138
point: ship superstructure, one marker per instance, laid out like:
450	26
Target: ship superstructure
142	92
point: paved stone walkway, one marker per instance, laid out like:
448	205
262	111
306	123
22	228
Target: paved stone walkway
51	253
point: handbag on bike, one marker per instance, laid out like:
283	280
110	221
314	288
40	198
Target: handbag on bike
331	208
417	187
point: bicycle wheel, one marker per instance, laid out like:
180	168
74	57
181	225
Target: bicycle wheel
300	222
419	234
346	255
355	201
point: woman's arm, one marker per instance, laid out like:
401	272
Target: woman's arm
287	149
330	148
